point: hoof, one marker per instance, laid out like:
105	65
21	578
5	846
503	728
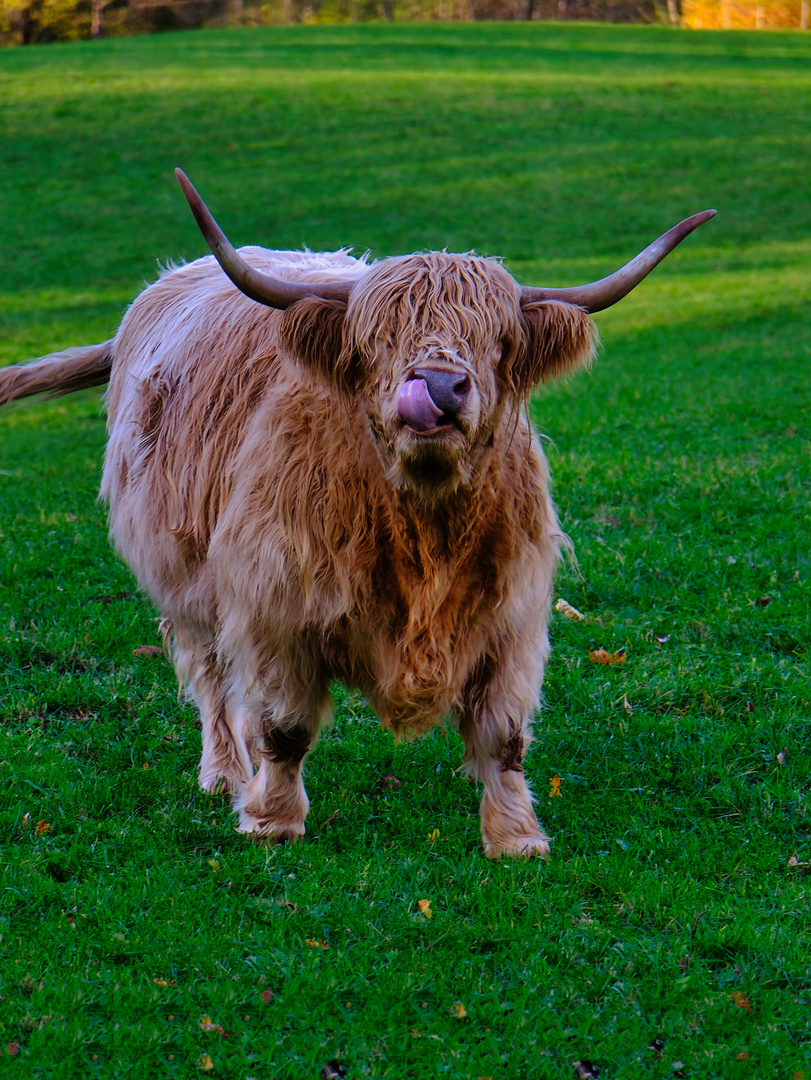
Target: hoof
216	784
269	830
519	847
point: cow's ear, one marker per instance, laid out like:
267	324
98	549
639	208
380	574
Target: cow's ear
558	338
313	330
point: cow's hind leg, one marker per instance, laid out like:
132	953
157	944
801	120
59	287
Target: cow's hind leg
495	726
273	805
225	764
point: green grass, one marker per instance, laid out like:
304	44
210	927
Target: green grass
681	468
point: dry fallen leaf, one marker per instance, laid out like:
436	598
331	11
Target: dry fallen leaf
425	908
741	1000
569	612
433	835
461	1011
266	996
389	783
205	1063
289	905
163	982
554	787
316	944
26	820
696	921
13	1049
585	1070
781	757
150	650
333	1070
657	1046
600	656
42	826
743	1057
627	705
123	595
763	601
207	1024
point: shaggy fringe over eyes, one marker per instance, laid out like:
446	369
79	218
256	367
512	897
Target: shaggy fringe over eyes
405	299
453	298
559	338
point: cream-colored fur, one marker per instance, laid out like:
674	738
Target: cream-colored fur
292	529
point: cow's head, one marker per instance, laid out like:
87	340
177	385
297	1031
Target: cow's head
442	347
442	351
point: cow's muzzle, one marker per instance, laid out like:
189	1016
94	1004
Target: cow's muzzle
433	398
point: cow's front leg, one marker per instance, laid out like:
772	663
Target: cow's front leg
273	805
497	733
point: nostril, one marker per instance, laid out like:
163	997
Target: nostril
462	386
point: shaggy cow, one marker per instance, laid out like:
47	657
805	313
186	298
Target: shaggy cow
328	475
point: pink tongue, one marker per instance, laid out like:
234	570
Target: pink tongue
416	406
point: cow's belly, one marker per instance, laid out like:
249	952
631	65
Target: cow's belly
411	686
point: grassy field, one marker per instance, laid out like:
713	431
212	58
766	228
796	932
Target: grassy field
669	935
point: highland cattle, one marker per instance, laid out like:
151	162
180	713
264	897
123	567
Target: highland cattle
320	468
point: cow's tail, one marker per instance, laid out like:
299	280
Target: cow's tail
58	373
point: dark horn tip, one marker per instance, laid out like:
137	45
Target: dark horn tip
212	233
196	204
186	186
694	222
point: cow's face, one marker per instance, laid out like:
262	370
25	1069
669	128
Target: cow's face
435	336
433	408
441	353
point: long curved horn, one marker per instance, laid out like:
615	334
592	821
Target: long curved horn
271	291
609	290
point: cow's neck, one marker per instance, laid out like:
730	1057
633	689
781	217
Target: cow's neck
429	531
434	540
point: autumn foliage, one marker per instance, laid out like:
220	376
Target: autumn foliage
745	14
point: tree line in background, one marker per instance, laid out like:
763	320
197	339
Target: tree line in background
31	21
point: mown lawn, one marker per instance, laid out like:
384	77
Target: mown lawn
669	935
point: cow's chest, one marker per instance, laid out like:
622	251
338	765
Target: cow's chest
412	642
